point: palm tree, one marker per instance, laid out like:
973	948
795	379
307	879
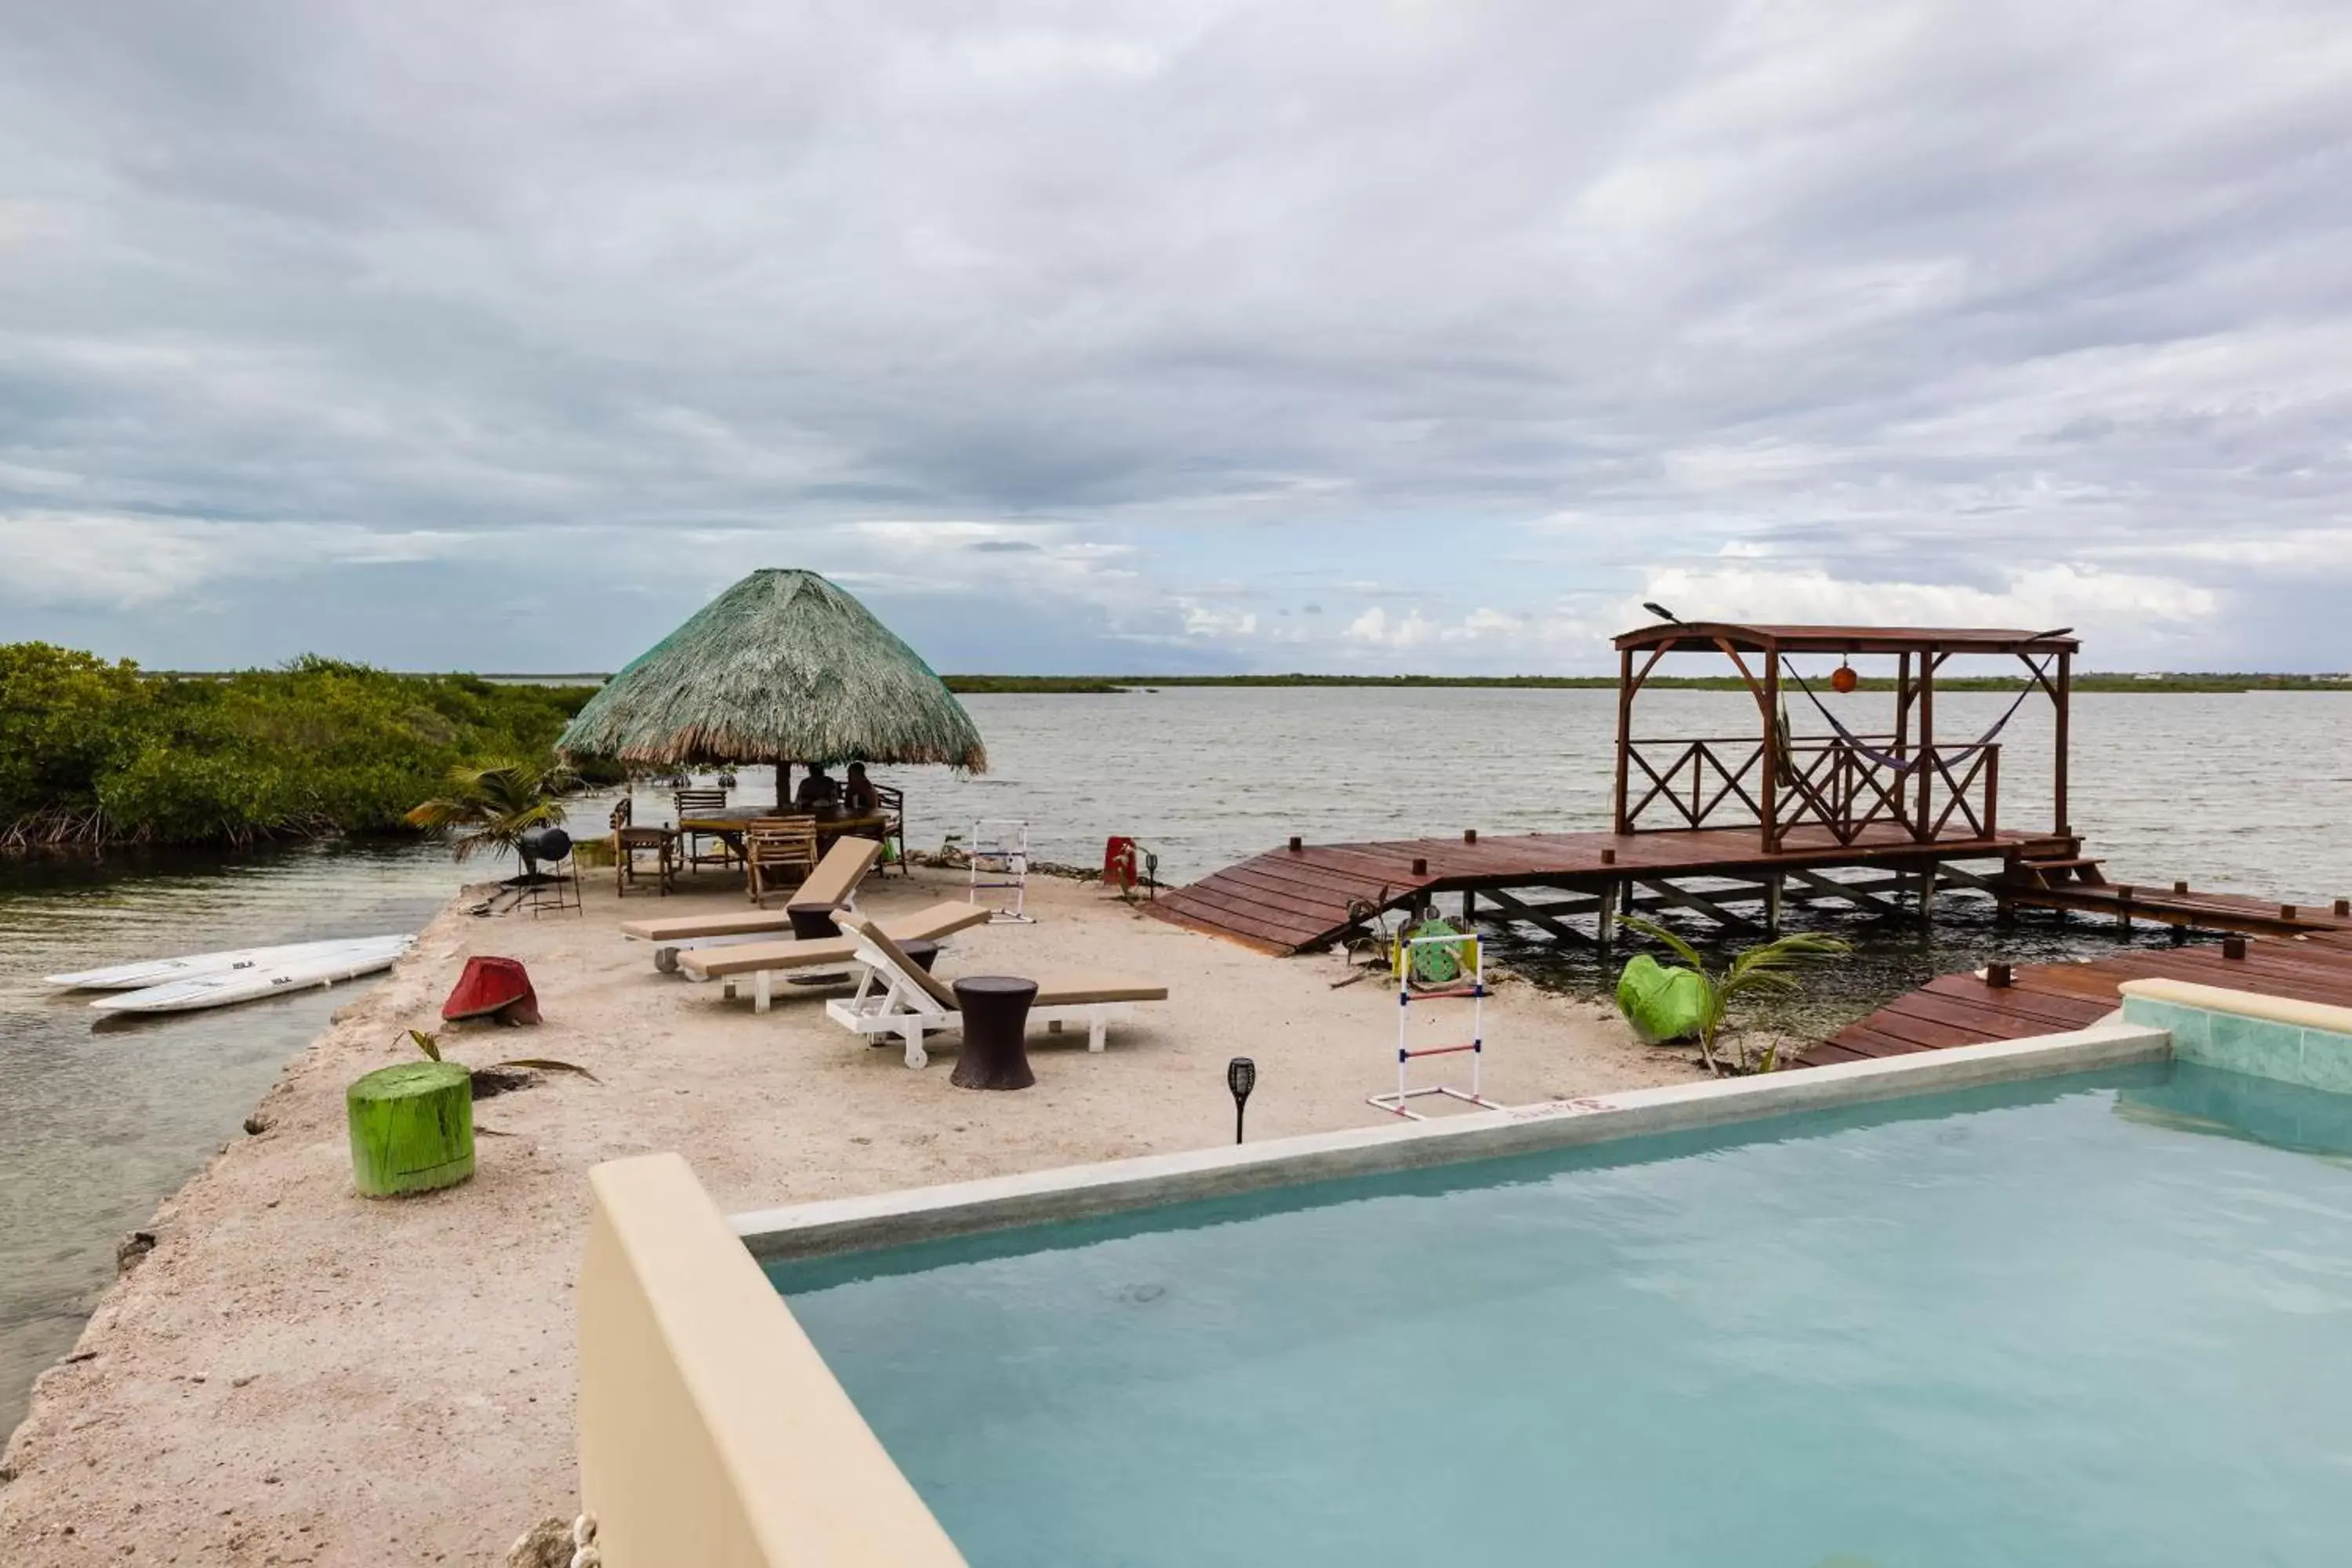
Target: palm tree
1763	968
492	807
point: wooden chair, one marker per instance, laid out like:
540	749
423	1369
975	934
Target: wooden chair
778	853
629	841
693	848
893	804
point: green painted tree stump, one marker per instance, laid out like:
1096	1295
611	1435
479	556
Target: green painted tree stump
411	1128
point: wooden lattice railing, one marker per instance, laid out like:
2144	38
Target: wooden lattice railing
1825	783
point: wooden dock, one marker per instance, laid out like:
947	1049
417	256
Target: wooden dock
1311	895
1733	828
2050	998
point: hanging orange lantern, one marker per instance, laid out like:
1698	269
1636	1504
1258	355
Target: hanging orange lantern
1844	679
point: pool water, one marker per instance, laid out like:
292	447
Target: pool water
2093	1321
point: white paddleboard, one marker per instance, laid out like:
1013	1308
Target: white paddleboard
222	989
158	971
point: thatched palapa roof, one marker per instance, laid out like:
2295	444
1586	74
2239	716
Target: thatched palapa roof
782	668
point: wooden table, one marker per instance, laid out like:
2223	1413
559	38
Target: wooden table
830	825
732	824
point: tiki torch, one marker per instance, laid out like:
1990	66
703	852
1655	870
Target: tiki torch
1241	1076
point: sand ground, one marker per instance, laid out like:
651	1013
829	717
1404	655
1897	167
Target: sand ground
299	1375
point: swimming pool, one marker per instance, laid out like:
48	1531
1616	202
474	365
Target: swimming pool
2093	1319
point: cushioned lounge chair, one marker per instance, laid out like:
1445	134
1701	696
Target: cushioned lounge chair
896	996
834	883
764	961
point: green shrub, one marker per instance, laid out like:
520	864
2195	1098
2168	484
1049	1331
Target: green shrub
91	750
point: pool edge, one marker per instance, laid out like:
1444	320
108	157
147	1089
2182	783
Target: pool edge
1074	1192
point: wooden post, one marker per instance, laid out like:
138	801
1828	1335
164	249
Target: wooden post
1903	733
1607	929
2058	745
1928	897
1469	907
411	1128
1771	751
1625	735
1926	769
1773	885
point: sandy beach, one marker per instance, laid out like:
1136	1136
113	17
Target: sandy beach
299	1375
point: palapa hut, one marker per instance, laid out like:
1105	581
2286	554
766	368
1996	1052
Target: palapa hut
783	668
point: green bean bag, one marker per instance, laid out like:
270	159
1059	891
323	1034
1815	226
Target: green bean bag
1663	1005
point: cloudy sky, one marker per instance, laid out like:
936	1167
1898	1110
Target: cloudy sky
1153	335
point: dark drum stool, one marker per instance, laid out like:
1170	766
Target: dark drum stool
812	922
923	953
995	1010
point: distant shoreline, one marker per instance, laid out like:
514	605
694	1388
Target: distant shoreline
1113	685
1106	685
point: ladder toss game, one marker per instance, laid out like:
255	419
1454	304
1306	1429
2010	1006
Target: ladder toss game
998	854
1454	964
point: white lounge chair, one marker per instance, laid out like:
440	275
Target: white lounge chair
896	996
835	883
764	961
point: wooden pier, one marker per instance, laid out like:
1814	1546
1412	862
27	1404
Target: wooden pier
1307	896
1733	831
2013	1003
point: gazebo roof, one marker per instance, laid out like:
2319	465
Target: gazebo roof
783	666
1711	636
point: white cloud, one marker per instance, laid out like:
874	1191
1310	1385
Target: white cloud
98	559
1475	323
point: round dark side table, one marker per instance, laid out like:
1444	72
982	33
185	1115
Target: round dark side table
995	1010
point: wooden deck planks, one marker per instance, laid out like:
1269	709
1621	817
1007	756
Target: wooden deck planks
2048	998
1299	898
1289	900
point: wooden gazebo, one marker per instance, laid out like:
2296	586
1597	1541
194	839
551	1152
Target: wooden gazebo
1841	787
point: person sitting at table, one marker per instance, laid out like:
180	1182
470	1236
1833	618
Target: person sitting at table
816	790
858	796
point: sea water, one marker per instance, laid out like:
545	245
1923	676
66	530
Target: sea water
2104	1323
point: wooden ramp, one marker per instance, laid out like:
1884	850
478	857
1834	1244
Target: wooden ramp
2050	998
1310	895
